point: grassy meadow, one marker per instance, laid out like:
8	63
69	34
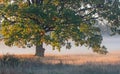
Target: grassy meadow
60	64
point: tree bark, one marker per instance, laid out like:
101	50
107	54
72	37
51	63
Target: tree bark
39	51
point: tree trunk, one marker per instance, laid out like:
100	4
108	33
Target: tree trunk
39	51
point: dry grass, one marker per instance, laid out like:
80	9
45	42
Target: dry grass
65	64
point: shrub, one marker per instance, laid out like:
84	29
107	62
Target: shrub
9	60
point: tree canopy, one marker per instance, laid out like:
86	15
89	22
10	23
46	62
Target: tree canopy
55	22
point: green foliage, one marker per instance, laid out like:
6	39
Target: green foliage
55	22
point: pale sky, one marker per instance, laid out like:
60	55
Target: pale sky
112	44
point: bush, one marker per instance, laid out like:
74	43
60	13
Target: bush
9	60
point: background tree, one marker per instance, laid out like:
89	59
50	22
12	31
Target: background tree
55	22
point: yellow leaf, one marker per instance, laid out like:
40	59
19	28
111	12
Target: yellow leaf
56	2
46	1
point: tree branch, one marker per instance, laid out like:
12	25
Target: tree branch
48	29
29	2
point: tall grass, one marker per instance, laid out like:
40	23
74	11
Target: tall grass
84	64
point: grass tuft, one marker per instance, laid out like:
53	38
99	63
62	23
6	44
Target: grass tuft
9	60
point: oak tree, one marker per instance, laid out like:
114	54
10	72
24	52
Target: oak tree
56	22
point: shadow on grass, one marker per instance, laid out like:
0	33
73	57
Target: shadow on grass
36	66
